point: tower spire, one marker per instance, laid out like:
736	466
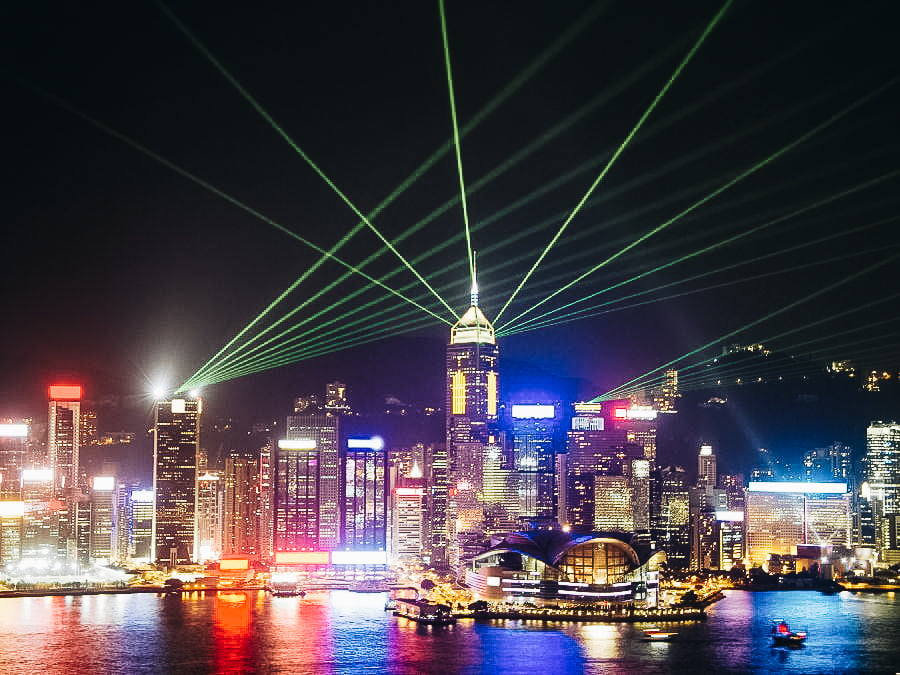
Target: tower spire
475	278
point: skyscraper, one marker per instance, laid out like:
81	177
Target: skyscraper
103	514
670	524
472	395
209	517
64	434
605	469
307	485
781	515
536	436
176	445
241	512
881	470
364	516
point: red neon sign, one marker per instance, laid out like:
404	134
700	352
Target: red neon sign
64	392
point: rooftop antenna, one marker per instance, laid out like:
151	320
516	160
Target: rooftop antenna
474	279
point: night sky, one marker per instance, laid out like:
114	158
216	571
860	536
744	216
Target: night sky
119	271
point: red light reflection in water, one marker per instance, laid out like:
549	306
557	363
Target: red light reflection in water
233	644
303	640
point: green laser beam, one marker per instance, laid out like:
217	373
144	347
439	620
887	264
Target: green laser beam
578	26
290	141
770	339
216	191
462	183
565	124
705	289
753	169
770	315
616	154
727	241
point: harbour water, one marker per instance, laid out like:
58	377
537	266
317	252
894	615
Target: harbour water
344	632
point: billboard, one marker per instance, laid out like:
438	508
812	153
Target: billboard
409	492
13	430
797	486
297	444
302	558
37	475
12	509
533	411
104	483
234	564
366	443
359	557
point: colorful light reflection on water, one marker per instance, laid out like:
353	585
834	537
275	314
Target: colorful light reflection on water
343	632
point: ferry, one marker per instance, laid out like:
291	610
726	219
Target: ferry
654	634
783	635
422	611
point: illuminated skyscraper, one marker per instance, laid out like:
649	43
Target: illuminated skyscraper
665	399
266	501
241	519
307	485
472	395
364	516
781	515
536	437
176	446
103	514
13	440
209	517
670	523
12	508
599	448
336	399
64	434
706	467
881	470
140	526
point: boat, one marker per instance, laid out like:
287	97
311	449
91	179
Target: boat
422	611
783	635
654	634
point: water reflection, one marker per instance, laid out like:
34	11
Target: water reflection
344	632
233	648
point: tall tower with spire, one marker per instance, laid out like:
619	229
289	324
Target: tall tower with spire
472	395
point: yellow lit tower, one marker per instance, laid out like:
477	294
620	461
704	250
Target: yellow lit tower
472	393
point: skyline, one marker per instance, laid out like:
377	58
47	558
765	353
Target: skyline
126	270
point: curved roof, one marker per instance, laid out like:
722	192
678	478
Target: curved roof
550	546
473	326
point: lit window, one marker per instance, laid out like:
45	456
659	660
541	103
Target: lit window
491	393
458	384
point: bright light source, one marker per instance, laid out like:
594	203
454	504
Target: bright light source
37	475
730	516
373	443
537	411
301	557
409	492
798	487
142	496
178	405
297	444
104	483
13	430
65	392
12	509
159	392
359	557
194	393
